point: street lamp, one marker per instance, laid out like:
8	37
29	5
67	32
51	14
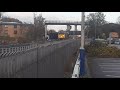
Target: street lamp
82	50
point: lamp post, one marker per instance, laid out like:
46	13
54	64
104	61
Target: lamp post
109	38
45	33
82	50
95	28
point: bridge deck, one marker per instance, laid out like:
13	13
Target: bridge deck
62	23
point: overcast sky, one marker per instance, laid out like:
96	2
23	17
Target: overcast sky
75	16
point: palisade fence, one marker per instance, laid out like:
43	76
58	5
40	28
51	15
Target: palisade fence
8	51
37	60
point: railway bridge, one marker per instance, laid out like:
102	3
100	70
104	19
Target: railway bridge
60	22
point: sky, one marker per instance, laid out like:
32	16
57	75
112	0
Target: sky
70	16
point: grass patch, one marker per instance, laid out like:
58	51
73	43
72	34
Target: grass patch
101	50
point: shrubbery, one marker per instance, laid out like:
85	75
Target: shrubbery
97	44
98	49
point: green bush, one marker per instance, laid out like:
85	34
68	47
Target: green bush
98	49
97	44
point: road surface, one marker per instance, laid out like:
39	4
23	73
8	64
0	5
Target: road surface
104	68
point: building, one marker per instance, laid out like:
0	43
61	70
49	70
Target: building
13	29
114	35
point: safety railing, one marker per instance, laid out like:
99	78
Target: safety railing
76	70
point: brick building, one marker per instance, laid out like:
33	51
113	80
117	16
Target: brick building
13	29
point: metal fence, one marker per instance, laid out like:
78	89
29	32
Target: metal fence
14	50
7	51
43	60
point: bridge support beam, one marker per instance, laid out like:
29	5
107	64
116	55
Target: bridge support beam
68	28
75	36
75	27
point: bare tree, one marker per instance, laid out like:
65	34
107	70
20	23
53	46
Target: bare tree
51	31
118	20
61	31
1	14
39	30
95	20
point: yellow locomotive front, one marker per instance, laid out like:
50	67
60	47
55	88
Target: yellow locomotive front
61	36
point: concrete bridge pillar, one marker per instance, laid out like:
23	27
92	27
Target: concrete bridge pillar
75	27
68	28
75	36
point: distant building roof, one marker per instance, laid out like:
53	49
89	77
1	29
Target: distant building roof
13	23
9	23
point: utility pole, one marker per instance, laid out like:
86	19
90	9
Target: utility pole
95	29
45	32
82	50
110	38
34	17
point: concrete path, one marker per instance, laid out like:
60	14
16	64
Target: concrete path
104	67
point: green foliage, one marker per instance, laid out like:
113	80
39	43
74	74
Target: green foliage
110	27
37	31
101	50
97	44
7	39
96	24
22	40
39	28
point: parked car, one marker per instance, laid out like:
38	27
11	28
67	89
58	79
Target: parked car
112	40
117	42
101	40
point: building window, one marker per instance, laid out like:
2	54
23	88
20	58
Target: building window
6	30
15	26
15	32
5	26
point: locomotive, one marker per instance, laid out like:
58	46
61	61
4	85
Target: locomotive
58	36
63	36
